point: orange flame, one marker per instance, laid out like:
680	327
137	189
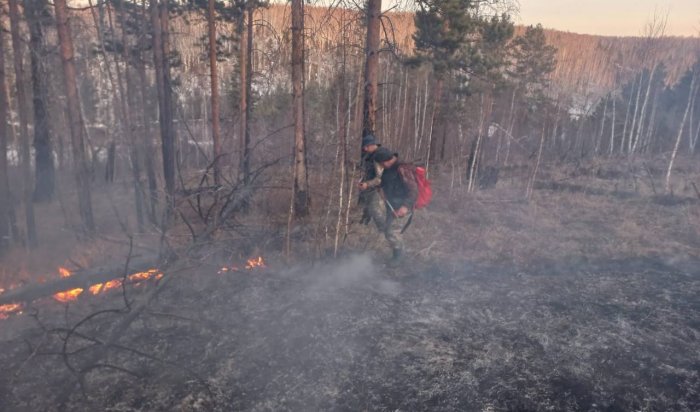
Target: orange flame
253	263
68	295
65	273
7	310
104	287
141	276
99	288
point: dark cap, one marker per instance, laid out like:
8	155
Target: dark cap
368	140
383	154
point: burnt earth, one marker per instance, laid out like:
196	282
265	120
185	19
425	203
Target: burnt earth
353	335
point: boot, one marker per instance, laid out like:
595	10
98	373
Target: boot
396	257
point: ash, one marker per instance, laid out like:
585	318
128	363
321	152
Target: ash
353	335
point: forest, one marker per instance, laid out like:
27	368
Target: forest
180	228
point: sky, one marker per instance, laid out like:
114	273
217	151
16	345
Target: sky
611	17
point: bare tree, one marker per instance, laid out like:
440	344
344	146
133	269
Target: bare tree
245	62
23	124
160	23
301	182
373	14
37	14
5	200
214	76
77	127
681	127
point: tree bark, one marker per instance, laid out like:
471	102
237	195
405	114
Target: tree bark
23	124
168	145
5	199
248	91
215	110
77	128
148	137
373	10
301	195
630	139
83	279
642	114
159	22
36	14
244	165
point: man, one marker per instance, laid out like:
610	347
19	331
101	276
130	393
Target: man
373	205
400	191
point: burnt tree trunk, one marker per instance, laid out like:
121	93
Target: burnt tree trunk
77	128
23	124
5	199
369	107
215	128
301	181
37	14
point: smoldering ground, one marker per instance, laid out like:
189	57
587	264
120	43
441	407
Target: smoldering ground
353	335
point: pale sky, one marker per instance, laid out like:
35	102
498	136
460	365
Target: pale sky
611	17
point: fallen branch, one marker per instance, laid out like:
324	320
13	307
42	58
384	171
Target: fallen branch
83	279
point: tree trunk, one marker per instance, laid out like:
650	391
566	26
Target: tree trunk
599	140
244	165
36	13
373	10
5	199
215	128
531	183
159	21
627	116
145	120
301	181
248	95
168	146
125	91
437	97
77	128
23	123
147	132
642	115
680	134
612	127
630	138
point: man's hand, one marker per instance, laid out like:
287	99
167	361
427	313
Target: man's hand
401	212
362	186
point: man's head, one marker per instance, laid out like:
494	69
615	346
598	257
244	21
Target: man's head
385	157
369	144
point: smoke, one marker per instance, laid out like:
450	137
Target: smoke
354	272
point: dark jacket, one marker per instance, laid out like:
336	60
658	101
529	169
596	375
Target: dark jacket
399	185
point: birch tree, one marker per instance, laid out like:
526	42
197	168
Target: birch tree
301	196
681	127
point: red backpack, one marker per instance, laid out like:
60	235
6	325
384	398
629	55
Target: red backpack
425	191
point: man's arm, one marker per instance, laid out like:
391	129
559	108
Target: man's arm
378	170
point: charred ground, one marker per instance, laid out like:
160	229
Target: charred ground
577	300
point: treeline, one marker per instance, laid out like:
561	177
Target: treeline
209	99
